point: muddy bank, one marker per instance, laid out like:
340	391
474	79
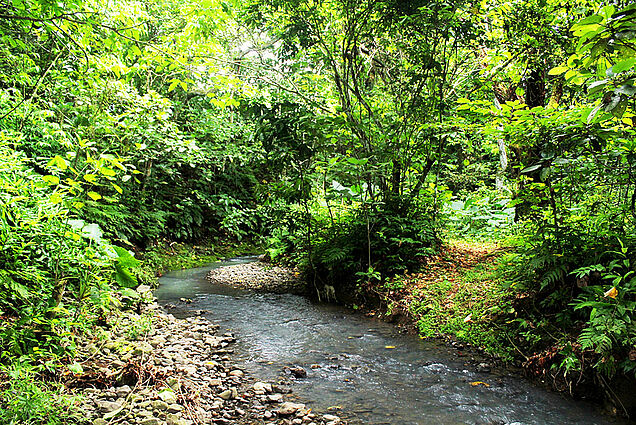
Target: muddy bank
154	369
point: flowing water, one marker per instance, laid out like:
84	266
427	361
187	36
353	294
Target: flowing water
357	376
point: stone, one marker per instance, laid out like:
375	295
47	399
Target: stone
173	383
275	398
289	408
100	421
483	367
215	382
331	418
150	421
108	406
144	289
172	419
142	347
168	396
159	405
298	372
157	341
190	370
229	394
262	387
123	391
237	372
175	408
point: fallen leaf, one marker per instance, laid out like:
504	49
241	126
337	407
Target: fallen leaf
478	383
389	346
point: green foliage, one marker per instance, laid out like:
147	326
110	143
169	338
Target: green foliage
481	214
26	400
610	331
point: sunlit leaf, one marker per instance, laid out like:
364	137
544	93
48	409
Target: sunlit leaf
94	196
52	180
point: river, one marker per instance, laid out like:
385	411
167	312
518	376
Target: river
361	368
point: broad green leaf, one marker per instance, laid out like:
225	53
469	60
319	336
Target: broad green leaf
58	162
558	70
173	85
94	196
117	188
623	66
56	198
107	171
76	368
52	180
626	89
594	19
596	86
91	178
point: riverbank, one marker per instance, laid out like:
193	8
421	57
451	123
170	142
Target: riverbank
151	368
137	364
468	296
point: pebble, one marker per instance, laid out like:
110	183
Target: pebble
159	405
175	408
108	406
262	387
168	396
275	398
289	408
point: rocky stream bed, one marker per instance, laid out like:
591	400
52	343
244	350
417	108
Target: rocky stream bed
151	368
259	276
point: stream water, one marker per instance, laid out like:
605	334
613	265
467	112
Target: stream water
357	376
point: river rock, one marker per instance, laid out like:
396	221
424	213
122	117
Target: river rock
298	372
289	408
275	398
151	421
229	394
262	387
123	391
237	372
159	405
483	368
172	419
175	408
108	406
168	396
331	419
142	348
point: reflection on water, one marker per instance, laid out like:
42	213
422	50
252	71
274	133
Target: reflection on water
417	382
